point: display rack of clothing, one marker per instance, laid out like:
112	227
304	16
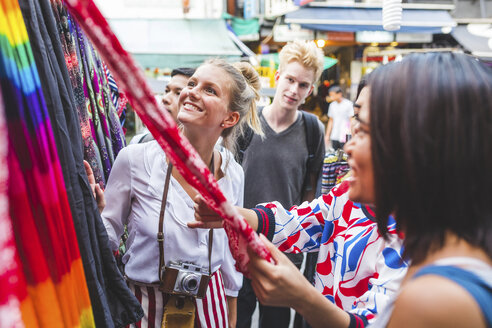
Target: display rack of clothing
66	273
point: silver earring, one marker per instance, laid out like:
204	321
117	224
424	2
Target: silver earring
222	125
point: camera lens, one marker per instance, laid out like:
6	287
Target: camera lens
189	283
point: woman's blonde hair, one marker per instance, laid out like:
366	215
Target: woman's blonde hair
244	92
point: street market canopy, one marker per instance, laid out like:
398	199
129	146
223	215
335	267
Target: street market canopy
368	19
171	43
476	38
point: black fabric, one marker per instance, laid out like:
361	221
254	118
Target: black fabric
309	273
266	221
357	321
113	303
246	304
270	316
337	144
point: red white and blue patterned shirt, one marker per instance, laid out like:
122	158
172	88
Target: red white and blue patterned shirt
357	268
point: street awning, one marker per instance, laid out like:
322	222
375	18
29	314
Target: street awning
170	43
476	38
368	19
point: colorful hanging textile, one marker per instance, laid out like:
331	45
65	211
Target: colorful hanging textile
96	96
116	305
69	46
105	125
118	98
57	293
164	129
115	94
12	284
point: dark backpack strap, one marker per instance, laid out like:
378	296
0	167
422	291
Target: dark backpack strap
243	141
313	135
242	144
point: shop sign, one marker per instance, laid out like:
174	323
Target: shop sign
250	9
286	33
414	37
275	8
340	36
302	2
374	36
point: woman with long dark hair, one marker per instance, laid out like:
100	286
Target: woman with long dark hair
421	154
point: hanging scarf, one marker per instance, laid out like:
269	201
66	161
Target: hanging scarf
12	282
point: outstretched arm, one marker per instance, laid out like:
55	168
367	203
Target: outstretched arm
282	284
207	218
306	219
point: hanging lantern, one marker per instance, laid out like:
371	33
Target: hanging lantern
392	14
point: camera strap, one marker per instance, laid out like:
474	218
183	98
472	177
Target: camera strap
160	234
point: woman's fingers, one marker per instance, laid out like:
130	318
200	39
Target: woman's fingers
205	217
90	177
97	191
274	284
277	255
88	171
202	208
205	225
101	201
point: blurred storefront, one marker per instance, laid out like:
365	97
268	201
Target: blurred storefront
353	33
159	45
476	39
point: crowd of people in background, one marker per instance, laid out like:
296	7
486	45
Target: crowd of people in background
402	234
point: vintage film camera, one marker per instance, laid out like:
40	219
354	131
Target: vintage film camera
185	279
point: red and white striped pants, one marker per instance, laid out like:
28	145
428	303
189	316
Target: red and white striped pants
211	311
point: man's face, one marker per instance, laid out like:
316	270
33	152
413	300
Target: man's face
171	95
294	84
335	96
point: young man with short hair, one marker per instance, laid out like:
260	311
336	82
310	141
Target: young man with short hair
276	166
179	80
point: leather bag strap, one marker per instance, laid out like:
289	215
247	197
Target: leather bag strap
160	234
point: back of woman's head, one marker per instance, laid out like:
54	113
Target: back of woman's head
244	92
431	129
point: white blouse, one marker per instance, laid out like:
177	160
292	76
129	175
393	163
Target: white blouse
133	197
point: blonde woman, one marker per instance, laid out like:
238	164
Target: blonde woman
218	101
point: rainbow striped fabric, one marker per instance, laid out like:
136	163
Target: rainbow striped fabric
42	282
